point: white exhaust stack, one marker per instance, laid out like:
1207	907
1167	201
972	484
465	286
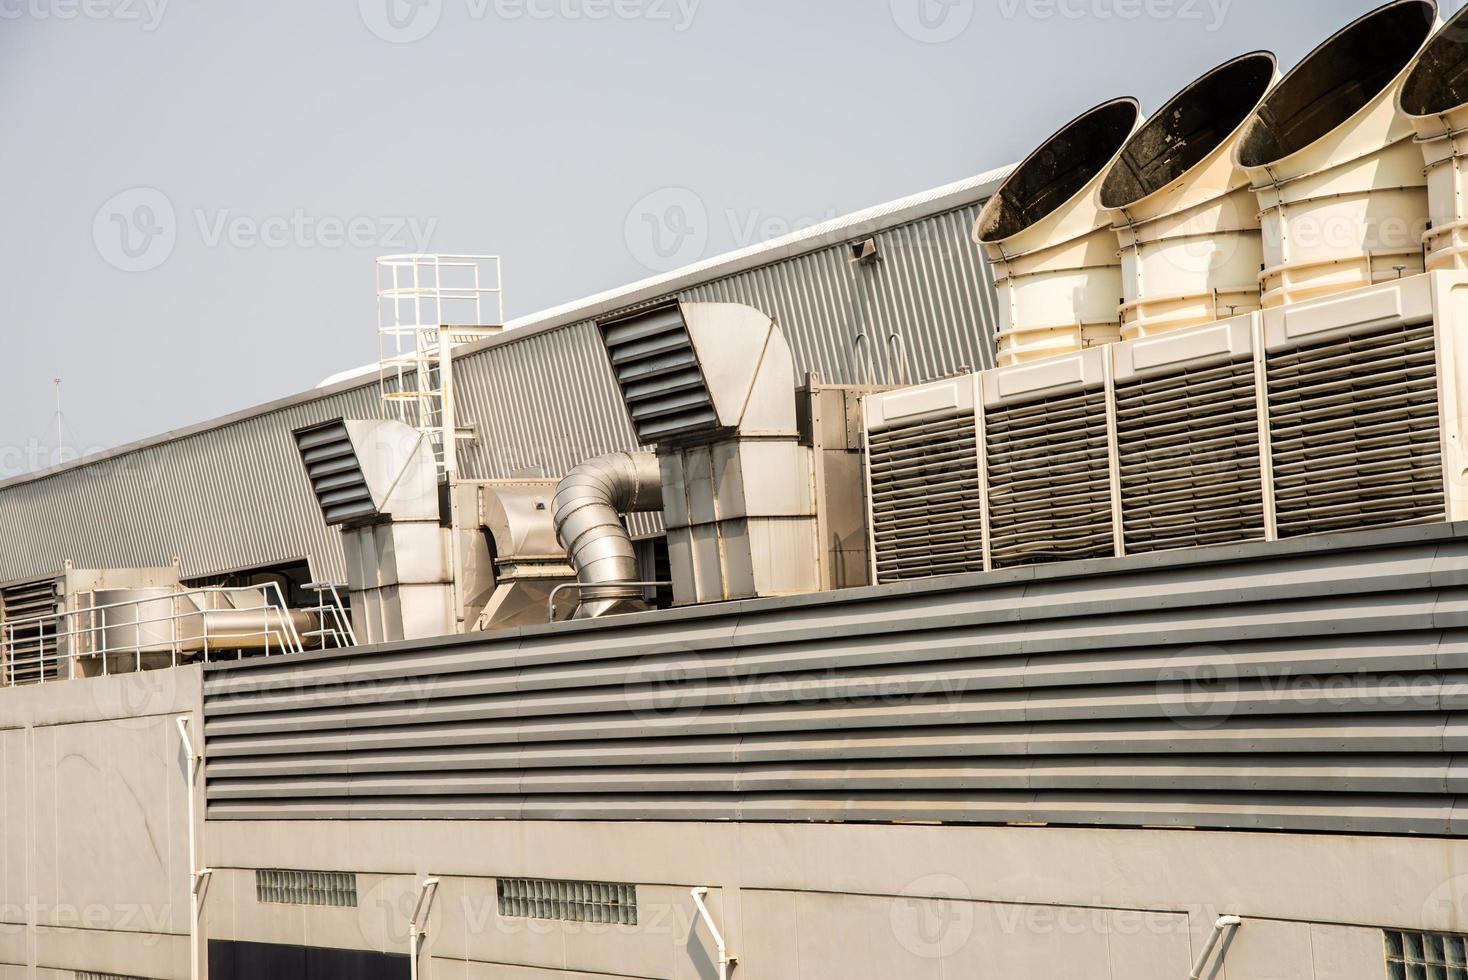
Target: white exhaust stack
1340	185
1055	262
1186	216
1435	97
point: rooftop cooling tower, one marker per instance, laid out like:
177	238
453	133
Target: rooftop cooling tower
1435	96
1055	263
1186	216
1323	416
1340	185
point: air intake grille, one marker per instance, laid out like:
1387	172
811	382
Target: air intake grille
926	516
336	477
29	648
1426	956
571	901
1354	424
1049	480
662	383
1188	453
333	888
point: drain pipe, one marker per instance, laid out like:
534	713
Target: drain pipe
588	506
725	960
418	923
198	876
1225	922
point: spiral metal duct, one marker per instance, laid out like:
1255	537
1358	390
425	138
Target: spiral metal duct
588	506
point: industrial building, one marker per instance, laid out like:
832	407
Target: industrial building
1057	575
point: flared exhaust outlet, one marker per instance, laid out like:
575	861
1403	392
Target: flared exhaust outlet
1435	98
1056	268
1185	214
1341	190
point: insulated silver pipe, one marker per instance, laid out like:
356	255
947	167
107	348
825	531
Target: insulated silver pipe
588	506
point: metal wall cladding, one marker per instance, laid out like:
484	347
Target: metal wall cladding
227	498
1309	685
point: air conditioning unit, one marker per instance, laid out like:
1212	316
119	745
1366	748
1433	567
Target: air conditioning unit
1330	415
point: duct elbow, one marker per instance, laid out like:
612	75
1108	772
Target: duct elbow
588	508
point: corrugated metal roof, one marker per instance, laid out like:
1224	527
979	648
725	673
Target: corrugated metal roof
229	493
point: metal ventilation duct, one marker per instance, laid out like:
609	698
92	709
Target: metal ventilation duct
1186	216
1435	96
588	506
1340	185
1055	264
378	480
1329	415
712	385
368	470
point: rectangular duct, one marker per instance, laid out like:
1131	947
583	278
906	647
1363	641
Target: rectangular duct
1319	417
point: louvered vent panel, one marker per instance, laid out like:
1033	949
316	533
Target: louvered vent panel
337	889
30	647
336	477
661	381
1354	427
926	513
1049	480
570	901
1188	453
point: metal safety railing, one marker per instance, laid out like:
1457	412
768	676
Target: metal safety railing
334	624
160	627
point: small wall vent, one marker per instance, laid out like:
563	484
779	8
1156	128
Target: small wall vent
1426	956
570	901
330	888
86	975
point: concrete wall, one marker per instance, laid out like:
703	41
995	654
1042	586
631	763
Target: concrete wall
94	806
817	902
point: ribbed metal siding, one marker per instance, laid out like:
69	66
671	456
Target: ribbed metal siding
1306	685
227	498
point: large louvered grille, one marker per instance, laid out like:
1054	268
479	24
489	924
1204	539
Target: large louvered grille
336	477
926	514
1049	480
1354	430
1188	454
658	372
29	645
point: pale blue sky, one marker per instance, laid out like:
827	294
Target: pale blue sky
293	140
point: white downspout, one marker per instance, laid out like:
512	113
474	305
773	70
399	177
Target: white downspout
198	876
416	925
1224	922
725	960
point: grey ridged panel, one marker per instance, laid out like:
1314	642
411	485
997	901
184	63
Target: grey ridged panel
222	499
1316	685
931	288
